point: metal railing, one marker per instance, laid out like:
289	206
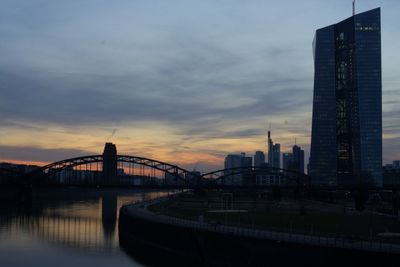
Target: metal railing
326	240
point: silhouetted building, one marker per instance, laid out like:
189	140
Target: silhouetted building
274	153
294	161
396	164
268	179
22	168
236	161
110	164
276	161
174	179
246	161
298	159
259	159
270	149
193	176
287	161
233	161
347	107
391	175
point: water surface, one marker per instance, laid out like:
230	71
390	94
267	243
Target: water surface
65	227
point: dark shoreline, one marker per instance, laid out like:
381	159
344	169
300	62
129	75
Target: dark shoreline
156	244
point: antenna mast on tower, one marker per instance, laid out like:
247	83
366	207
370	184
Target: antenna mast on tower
354	7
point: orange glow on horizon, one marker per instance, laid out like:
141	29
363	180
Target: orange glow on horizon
24	162
144	140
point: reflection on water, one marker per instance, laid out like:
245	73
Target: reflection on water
109	214
65	226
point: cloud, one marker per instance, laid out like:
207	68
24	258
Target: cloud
72	100
391	148
27	153
201	71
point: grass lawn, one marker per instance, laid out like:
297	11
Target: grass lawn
351	225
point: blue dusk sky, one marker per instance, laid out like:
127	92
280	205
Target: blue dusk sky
182	81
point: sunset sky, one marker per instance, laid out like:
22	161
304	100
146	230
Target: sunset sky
185	82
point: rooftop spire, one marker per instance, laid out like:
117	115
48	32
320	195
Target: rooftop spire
354	7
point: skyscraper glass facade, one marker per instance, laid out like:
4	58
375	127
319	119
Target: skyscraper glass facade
347	108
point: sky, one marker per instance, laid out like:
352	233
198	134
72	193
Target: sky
186	82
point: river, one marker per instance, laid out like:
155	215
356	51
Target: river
65	227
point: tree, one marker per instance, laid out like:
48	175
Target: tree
276	193
362	182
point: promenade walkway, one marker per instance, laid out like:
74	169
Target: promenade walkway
141	210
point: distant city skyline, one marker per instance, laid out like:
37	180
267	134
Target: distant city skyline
185	83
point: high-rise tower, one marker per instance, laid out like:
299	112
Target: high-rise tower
274	153
346	141
298	159
270	150
259	159
110	164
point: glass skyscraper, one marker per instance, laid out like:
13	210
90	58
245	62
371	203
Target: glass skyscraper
346	142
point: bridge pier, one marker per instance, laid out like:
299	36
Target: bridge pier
110	165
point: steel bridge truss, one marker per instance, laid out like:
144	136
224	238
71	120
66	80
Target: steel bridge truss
226	176
173	170
79	163
222	177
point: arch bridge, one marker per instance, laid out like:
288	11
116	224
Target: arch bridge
131	170
140	171
250	176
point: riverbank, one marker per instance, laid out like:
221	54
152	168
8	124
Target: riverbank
203	243
283	215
